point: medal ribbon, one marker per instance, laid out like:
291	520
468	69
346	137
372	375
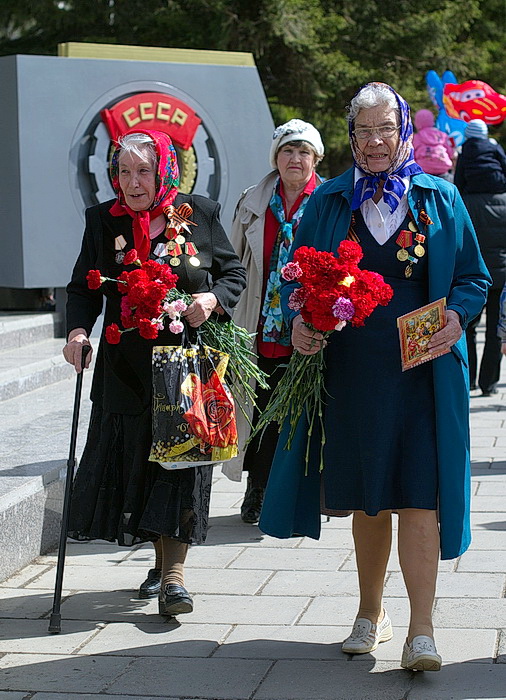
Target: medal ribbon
404	239
191	249
176	252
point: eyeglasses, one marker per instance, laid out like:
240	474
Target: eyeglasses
385	132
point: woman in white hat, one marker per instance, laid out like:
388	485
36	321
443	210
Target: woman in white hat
265	221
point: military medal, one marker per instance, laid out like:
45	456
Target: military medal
404	240
119	244
412	227
402	254
179	220
409	267
191	250
160	250
419	249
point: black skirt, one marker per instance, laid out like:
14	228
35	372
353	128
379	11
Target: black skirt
122	497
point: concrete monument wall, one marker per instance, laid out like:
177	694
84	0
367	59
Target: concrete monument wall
56	144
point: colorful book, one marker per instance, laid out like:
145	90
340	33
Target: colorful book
416	329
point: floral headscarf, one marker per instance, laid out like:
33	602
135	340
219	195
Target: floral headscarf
403	163
166	183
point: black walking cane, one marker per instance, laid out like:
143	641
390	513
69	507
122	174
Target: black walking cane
55	621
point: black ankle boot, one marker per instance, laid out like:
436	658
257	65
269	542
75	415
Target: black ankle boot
252	504
150	588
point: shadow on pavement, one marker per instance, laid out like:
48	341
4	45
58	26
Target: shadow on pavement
202	666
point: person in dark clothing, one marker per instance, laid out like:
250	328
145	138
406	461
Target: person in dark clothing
480	176
119	494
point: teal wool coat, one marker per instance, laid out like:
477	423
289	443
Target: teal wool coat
457	272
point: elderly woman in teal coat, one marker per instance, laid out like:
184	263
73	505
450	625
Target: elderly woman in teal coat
396	442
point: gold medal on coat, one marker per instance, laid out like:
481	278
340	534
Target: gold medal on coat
402	254
413	227
175	262
419	250
180	239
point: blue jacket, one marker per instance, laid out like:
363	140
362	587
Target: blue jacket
457	272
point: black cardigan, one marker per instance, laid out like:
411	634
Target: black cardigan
122	376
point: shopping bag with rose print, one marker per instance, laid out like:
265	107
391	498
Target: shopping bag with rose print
194	420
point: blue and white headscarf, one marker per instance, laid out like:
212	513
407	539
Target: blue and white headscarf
403	163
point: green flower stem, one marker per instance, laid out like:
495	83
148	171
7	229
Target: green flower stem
301	389
236	342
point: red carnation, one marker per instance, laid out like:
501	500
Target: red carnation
136	276
131	257
147	329
152	268
350	252
123	277
113	334
94	278
160	272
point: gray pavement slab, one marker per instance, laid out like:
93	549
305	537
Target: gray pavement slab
31	636
89	696
165	639
231	679
60	672
461	681
334	680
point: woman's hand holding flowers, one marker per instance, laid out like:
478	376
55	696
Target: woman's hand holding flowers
447	336
305	340
200	309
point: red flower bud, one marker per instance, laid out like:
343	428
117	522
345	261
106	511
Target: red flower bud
147	329
94	279
131	257
113	334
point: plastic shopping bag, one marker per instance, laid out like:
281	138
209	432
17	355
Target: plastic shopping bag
194	420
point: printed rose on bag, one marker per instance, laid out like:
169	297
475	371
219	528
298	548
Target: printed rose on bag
193	410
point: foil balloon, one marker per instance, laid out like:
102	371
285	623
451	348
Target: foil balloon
453	126
474	99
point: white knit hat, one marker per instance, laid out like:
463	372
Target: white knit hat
476	129
295	130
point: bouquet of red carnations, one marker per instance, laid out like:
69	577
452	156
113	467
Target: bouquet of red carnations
332	292
150	299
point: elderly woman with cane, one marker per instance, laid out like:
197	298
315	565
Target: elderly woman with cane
264	225
119	495
396	442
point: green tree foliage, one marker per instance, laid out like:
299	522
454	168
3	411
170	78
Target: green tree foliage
312	54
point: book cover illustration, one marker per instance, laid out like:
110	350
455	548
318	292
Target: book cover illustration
416	329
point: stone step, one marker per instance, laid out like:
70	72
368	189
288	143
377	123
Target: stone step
17	330
32	366
35	433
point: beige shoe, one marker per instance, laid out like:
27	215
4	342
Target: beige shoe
421	655
365	635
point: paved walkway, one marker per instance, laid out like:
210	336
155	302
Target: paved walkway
269	615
